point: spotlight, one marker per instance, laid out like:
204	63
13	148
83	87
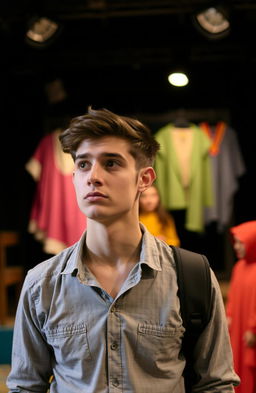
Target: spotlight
213	22
178	79
42	31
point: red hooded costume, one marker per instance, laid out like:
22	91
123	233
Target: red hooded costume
241	307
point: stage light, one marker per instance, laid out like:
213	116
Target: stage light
213	22
178	79
42	31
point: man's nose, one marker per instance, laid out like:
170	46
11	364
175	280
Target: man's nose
94	175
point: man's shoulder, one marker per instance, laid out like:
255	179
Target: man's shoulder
51	267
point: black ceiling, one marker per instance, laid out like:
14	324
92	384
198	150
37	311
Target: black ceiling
123	50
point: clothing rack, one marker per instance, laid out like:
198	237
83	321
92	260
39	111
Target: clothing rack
194	115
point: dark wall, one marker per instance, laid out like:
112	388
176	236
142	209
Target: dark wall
122	64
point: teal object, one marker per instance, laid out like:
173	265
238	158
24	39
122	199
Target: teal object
6	335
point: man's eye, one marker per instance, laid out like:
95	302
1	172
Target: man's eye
83	165
111	163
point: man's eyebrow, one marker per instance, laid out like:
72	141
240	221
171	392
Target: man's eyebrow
102	155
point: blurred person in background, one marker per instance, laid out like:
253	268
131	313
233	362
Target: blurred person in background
156	218
241	305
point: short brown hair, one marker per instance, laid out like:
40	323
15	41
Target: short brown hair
99	123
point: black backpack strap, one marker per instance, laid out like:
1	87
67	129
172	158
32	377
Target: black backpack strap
194	291
194	281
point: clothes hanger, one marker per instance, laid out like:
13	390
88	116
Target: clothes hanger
181	120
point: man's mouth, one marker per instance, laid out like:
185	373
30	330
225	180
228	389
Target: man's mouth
94	196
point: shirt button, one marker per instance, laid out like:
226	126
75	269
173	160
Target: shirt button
114	346
115	382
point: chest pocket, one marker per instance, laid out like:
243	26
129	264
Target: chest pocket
158	347
69	342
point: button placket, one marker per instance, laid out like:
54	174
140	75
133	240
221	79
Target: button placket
114	353
114	346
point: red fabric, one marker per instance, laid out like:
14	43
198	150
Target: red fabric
241	307
55	208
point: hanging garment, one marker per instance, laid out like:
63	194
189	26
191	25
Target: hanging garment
241	307
55	218
154	226
183	172
227	167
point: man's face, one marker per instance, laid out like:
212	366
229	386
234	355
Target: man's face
105	179
239	248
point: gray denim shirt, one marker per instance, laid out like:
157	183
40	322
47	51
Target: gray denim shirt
68	327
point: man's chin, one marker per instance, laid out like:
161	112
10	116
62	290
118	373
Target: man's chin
104	219
96	215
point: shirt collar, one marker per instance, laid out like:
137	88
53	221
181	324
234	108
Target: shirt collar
149	250
149	254
74	264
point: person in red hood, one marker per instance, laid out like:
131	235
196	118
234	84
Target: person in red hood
241	306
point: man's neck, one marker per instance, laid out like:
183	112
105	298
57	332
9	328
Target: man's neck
115	243
111	252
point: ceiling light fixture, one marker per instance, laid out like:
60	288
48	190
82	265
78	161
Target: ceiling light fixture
213	22
42	31
178	79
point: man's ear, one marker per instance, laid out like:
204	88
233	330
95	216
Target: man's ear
146	178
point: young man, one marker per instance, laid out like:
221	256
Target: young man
104	315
